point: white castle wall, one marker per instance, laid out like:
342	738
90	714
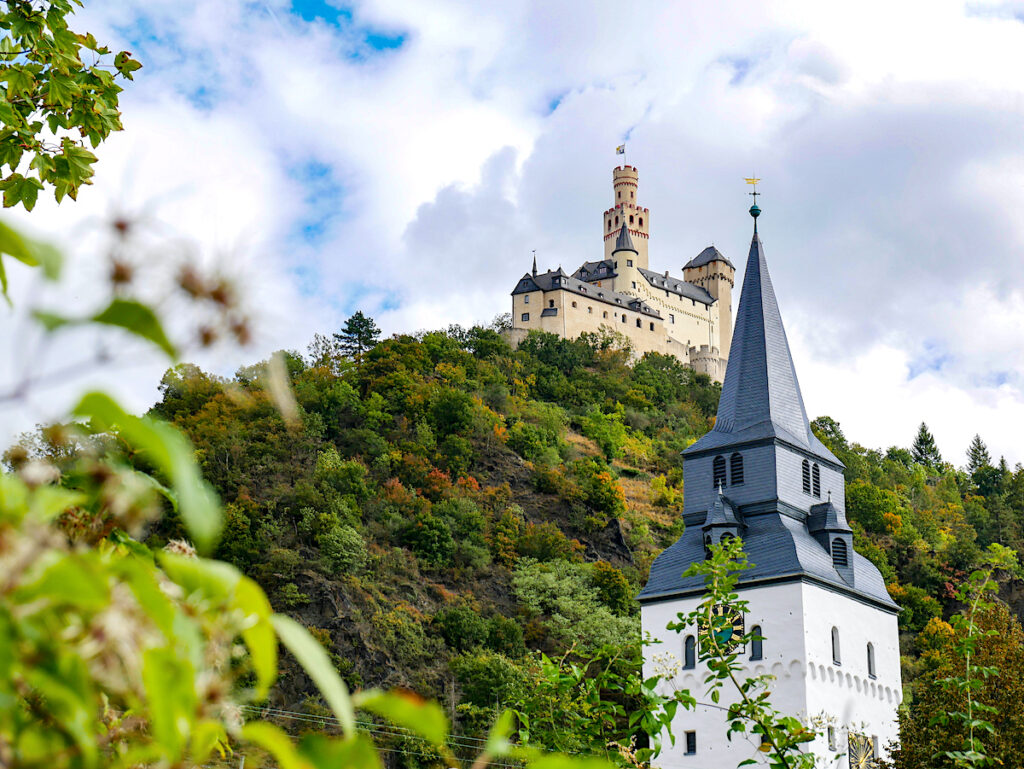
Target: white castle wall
796	619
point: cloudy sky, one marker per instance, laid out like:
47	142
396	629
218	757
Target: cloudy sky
404	157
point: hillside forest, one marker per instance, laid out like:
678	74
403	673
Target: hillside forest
470	522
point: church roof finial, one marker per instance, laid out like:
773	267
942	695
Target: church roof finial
624	242
754	210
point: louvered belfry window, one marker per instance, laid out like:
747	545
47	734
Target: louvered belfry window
840	555
816	479
718	470
807	477
736	469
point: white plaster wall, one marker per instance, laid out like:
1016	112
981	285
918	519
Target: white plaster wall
796	620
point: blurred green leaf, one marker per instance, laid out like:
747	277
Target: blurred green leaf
318	666
171	696
138	319
72	580
168	450
30	252
259	636
355	752
277	743
407	709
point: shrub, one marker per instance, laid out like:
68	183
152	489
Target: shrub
461	628
613	588
488	679
546	542
429	537
342	549
599	492
290	597
607	430
505	636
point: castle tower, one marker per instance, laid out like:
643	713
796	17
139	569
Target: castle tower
625	209
828	625
715	274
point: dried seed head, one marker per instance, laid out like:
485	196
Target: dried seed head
121	273
191	282
242	332
207	336
180	547
223	294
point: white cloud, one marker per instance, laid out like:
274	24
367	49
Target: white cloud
887	136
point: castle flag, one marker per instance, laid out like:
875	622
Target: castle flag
620	150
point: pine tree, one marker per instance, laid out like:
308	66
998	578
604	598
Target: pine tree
924	450
977	455
359	335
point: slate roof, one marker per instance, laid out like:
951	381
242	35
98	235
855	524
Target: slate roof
596	271
760	395
708	255
624	242
557	280
778	547
677	286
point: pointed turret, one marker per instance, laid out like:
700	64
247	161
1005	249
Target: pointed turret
624	242
534	262
761	395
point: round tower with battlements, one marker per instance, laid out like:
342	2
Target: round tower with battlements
626	209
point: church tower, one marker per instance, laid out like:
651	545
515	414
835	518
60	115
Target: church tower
625	210
828	624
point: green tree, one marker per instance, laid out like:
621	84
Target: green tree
924	451
359	334
977	455
54	102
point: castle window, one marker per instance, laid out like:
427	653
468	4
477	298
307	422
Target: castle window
671	318
604	314
641	221
840	556
526	299
666	293
620	194
718	471
736	469
526	317
816	479
689	653
551	302
652	327
609	224
616	221
871	661
631	194
615	265
756	648
807	476
623	317
629	262
634	284
574	304
835	647
590	309
631	218
691	743
638	325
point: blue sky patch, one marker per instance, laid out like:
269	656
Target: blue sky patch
933	358
335	14
323	200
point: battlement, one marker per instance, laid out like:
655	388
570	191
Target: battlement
617	206
625	171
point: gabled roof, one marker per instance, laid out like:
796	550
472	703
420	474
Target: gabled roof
557	280
708	255
761	395
677	286
595	270
624	242
721	513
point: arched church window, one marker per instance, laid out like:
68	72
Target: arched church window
689	653
807	476
835	647
756	648
871	661
840	556
816	479
736	469
718	471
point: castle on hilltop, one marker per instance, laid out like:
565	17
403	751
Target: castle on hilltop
688	317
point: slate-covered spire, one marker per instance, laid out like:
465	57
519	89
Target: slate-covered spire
624	242
761	395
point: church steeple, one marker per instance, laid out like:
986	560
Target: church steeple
761	395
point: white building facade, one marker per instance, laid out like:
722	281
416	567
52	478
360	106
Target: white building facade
828	624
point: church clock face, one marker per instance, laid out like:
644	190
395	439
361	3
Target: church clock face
862	752
727	625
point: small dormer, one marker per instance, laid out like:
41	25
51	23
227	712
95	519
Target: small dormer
721	523
828	525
